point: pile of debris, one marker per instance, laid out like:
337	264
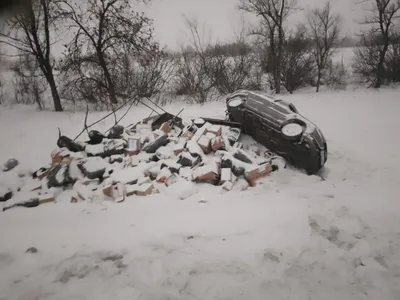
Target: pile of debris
160	150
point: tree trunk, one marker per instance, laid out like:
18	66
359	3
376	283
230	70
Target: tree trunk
54	92
380	67
48	73
110	83
279	60
53	87
319	79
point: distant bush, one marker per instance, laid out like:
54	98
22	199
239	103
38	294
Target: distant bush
367	57
29	84
297	62
336	75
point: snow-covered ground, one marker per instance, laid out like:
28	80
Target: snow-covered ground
292	237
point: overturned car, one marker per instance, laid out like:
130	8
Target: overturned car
280	127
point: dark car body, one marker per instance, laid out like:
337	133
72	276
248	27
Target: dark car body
266	119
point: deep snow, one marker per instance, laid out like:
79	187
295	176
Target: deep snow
292	237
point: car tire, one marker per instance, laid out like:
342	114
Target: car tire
235	103
292	131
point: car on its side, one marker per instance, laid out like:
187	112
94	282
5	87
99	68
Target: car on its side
280	127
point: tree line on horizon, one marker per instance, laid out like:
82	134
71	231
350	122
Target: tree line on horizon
111	54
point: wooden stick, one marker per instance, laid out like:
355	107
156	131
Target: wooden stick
130	106
86	116
105	117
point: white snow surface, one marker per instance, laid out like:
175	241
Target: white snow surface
292	236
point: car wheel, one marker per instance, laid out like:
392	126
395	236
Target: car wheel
235	103
292	131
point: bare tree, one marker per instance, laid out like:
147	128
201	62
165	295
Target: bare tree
29	32
393	60
233	71
28	83
297	60
273	14
325	30
382	21
206	68
144	77
366	58
105	30
194	65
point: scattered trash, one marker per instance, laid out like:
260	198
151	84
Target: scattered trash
5	193
32	250
10	164
158	153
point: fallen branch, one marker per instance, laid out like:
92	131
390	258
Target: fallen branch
86	116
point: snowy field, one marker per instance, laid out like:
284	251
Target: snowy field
292	237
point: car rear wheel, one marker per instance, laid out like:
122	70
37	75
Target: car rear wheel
235	109
292	131
235	103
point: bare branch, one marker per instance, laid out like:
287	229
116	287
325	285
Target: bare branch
85	122
325	30
107	30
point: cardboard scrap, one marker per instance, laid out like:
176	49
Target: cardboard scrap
206	174
187	134
227	186
46	197
143	129
205	144
210	135
178	158
134	144
130	189
179	146
226	175
165	128
144	189
217	143
257	173
56	156
108	190
171	180
215	129
163	175
118	192
165	152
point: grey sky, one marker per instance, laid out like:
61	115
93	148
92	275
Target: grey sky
220	16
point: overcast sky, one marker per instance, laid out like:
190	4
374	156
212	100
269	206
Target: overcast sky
220	16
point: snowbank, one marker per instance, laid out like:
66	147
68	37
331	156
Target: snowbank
293	236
